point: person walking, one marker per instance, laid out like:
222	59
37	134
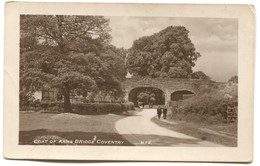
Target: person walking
164	112
159	112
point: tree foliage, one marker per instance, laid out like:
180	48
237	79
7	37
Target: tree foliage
199	75
143	96
69	53
169	53
233	79
146	96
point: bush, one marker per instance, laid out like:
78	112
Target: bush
128	106
80	108
101	108
207	107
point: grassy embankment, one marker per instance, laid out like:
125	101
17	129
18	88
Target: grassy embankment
204	116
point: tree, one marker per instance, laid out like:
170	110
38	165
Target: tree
146	96
143	97
233	79
199	75
67	53
169	53
114	72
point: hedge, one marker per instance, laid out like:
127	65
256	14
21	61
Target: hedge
80	108
213	112
206	108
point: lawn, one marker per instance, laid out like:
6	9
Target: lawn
203	132
69	129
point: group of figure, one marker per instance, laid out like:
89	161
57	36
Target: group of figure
160	111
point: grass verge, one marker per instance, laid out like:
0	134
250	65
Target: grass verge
192	129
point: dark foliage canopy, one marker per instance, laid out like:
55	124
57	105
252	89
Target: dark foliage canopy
169	53
69	53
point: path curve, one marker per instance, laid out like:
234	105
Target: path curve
140	130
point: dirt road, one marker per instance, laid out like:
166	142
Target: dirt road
139	130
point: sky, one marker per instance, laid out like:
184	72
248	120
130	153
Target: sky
216	39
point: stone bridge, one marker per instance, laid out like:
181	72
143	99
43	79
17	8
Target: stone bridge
167	85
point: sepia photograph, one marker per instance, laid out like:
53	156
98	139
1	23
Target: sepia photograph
115	82
128	81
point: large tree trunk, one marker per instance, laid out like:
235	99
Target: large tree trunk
67	104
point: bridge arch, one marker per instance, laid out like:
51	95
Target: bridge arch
181	94
169	86
158	94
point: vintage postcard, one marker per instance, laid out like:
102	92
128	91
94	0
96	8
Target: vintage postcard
146	82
